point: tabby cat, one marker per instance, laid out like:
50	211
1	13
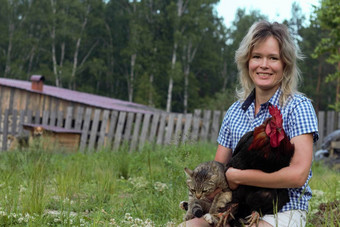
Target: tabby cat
205	180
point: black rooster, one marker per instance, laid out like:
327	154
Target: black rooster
267	148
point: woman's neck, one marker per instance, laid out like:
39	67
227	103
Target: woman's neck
262	96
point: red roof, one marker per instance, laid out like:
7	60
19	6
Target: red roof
81	97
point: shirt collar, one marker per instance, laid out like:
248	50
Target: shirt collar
274	100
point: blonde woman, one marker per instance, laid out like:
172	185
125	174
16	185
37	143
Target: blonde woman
269	75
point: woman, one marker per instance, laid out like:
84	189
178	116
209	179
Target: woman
268	74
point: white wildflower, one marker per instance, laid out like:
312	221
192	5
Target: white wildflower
159	186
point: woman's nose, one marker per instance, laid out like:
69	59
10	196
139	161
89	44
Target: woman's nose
264	63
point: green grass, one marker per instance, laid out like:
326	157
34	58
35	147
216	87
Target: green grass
113	188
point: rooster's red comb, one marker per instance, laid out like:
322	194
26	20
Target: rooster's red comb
274	128
276	114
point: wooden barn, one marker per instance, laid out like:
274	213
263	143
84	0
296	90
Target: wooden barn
94	121
34	95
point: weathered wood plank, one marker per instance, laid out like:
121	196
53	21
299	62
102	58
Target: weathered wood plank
205	125
53	118
162	124
103	127
69	116
135	134
5	130
321	120
112	127
14	122
79	118
37	117
154	125
94	128
187	127
86	127
215	126
29	116
46	114
178	129
119	130
145	129
21	121
169	129
128	127
60	119
330	122
196	124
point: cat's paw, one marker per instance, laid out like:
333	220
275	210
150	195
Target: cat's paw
209	218
197	211
183	205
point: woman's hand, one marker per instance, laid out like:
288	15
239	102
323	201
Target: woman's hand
231	176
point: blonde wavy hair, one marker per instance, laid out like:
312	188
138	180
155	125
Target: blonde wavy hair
289	53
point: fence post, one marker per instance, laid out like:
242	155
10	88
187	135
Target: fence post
178	129
161	128
119	130
196	124
135	134
94	128
187	126
145	129
5	131
103	129
169	129
83	138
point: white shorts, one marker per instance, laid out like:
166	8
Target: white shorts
290	218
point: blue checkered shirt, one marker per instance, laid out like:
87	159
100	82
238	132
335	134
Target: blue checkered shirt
298	118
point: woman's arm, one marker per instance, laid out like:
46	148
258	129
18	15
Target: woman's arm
223	154
293	176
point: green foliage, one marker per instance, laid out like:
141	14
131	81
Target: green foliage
328	16
89	46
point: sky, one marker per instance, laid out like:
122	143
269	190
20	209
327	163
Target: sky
275	10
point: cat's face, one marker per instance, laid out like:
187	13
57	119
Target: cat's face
201	183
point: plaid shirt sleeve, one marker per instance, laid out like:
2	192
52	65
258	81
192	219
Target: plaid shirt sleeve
302	119
224	137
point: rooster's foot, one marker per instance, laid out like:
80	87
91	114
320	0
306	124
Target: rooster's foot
227	215
253	218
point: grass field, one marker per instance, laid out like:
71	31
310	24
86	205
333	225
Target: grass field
107	188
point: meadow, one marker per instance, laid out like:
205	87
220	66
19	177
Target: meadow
120	188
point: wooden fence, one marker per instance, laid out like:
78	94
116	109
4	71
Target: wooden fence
103	128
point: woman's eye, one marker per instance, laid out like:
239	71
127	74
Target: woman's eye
256	56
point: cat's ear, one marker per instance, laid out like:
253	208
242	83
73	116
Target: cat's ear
188	172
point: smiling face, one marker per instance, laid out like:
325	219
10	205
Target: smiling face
265	65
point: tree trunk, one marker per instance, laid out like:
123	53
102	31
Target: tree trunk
171	81
318	86
76	52
224	76
53	47
150	101
338	84
188	58
131	80
9	48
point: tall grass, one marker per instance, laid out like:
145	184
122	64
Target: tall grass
110	188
